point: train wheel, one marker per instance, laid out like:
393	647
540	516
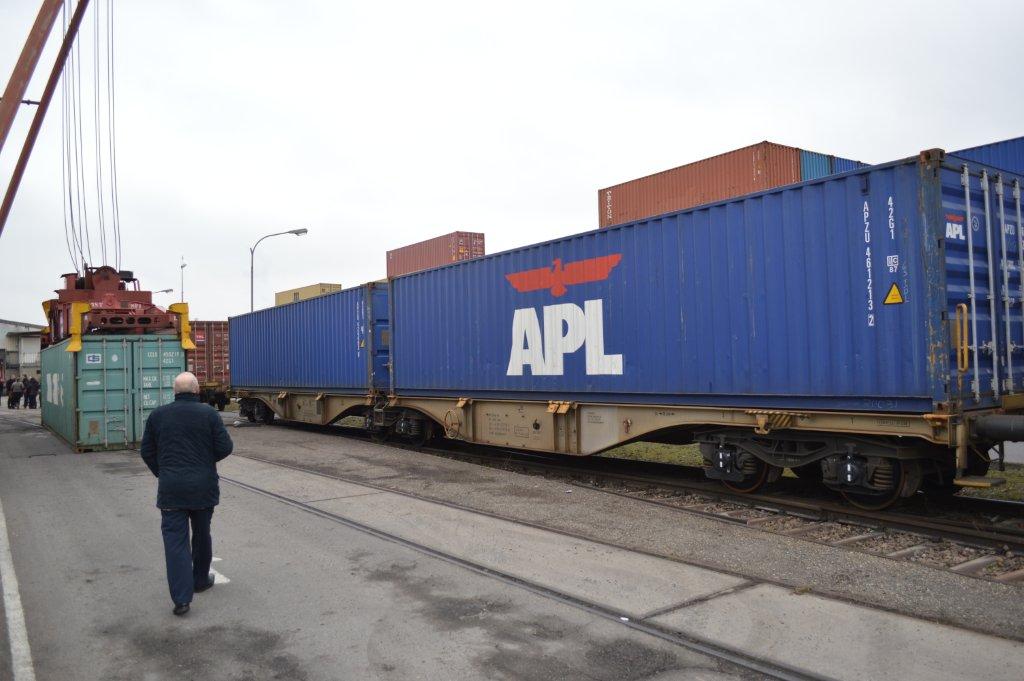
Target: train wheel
426	435
264	414
877	502
756	473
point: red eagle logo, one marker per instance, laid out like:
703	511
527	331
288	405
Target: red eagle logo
558	277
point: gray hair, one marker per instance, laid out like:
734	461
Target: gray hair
186	382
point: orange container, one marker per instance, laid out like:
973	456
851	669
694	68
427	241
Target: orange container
441	250
209	361
734	173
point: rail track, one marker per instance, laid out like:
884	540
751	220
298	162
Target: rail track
974	537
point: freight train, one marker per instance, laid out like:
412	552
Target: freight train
864	330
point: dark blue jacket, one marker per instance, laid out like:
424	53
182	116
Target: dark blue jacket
182	444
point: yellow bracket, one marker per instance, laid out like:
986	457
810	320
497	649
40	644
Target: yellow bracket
767	420
181	309
78	310
46	313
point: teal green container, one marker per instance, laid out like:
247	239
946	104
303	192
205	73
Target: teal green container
99	398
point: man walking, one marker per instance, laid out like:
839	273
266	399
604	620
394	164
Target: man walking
182	444
16	389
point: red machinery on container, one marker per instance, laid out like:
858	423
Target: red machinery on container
104	300
210	361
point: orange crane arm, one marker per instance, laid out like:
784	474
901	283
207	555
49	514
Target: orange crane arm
22	74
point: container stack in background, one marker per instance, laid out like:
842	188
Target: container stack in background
441	250
748	170
209	361
294	295
1005	155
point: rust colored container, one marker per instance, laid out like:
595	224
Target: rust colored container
441	250
742	171
209	361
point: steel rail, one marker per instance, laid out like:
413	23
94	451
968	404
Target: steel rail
975	533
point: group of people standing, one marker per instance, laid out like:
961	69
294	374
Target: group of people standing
21	391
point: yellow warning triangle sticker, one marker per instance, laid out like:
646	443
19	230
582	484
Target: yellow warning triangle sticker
894	296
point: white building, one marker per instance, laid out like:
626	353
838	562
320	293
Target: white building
19	348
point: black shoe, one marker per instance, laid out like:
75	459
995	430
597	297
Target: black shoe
205	587
181	609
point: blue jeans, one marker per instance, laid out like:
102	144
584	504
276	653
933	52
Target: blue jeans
187	566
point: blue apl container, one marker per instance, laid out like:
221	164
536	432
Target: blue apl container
832	294
337	342
1007	155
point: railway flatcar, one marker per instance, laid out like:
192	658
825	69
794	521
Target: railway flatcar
864	330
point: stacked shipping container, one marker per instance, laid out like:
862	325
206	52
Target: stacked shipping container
442	250
743	171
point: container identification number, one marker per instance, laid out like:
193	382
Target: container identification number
867	264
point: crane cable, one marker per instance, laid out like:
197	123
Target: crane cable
98	157
111	138
74	179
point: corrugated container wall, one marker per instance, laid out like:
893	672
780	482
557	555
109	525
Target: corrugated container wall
845	165
813	165
210	360
831	294
1005	155
337	341
442	250
99	397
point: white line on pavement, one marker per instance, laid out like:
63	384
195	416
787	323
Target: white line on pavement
21	652
218	578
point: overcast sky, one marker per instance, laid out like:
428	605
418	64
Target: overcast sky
375	125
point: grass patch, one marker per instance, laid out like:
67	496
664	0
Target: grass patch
1013	490
682	455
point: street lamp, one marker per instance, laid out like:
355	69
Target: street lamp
183	266
165	290
252	259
